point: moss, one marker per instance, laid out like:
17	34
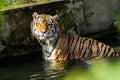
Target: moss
17	4
0	18
2	2
73	1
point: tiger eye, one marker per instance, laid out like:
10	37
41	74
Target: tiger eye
49	21
39	20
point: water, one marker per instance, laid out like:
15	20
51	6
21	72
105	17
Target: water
36	70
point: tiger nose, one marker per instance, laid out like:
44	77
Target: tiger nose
43	32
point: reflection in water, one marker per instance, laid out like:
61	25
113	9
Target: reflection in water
50	71
54	70
36	70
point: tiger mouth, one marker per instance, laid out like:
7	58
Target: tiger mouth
44	37
48	36
42	42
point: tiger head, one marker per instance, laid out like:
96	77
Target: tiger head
44	26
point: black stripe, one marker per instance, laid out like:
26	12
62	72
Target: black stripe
82	46
104	51
101	48
84	53
69	46
90	52
87	49
69	39
98	50
67	50
64	42
109	49
116	54
71	53
75	47
72	41
112	55
61	46
54	45
50	53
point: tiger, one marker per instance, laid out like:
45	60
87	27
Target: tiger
59	45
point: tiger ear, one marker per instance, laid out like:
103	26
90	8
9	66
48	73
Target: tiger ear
56	17
35	15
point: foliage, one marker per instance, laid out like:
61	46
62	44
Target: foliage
0	18
117	22
72	1
102	70
12	4
2	2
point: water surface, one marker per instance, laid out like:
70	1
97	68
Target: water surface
36	70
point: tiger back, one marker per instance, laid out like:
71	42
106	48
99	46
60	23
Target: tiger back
60	45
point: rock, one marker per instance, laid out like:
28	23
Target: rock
73	17
1	47
15	28
99	15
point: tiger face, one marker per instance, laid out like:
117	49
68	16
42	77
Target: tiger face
44	26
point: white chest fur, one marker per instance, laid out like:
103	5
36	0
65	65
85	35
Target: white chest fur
49	50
